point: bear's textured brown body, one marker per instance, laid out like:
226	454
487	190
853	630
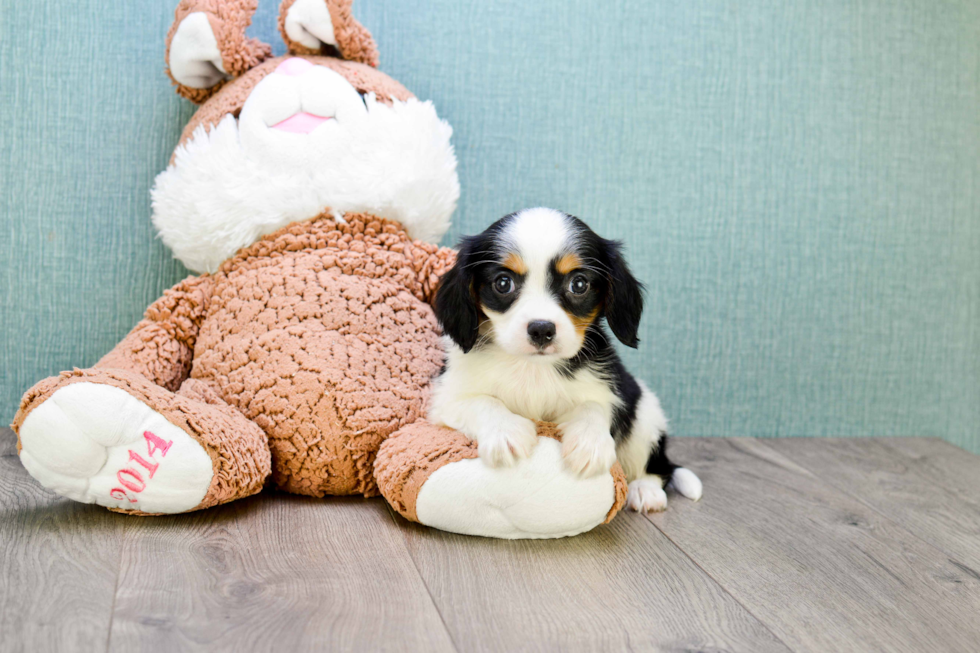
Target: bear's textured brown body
319	333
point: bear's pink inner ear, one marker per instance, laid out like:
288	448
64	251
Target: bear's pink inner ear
326	27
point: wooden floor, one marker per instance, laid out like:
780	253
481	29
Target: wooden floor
798	544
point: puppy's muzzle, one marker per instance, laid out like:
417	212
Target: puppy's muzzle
541	333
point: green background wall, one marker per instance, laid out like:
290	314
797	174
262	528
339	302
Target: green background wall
798	184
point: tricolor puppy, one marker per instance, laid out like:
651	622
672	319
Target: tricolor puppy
522	310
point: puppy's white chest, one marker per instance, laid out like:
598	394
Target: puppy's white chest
541	394
533	390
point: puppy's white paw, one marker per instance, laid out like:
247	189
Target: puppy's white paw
511	440
587	450
646	495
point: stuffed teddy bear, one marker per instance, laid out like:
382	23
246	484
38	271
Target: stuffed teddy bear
308	191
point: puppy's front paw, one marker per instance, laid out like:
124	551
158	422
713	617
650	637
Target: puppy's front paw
587	450
509	441
646	495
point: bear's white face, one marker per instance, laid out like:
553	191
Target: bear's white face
301	110
305	142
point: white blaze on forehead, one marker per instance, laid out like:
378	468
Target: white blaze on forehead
539	235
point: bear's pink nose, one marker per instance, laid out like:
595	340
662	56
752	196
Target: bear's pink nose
293	66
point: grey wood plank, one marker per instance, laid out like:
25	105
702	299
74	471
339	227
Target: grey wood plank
880	475
58	564
274	572
944	464
622	586
819	568
8	442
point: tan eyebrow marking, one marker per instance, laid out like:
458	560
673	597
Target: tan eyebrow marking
515	263
567	263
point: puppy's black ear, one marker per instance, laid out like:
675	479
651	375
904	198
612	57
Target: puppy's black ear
455	305
624	296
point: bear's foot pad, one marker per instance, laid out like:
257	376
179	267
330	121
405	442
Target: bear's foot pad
98	444
535	498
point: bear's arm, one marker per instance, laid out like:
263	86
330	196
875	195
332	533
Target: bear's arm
431	262
161	346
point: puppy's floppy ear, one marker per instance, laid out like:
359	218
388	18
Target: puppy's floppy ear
456	306
624	296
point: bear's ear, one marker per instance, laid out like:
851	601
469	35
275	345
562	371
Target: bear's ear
207	46
326	27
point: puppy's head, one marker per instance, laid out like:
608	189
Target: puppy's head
533	284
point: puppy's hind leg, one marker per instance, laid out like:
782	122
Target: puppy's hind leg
646	491
643	456
647	494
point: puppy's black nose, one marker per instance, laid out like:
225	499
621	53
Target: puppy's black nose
541	332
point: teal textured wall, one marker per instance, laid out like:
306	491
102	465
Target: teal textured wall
798	184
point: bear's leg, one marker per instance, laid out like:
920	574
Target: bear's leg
433	475
114	438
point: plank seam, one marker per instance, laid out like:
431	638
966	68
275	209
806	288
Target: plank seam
878	511
938	481
418	572
717	582
115	593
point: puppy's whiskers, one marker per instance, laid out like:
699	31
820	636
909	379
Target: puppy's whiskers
541	281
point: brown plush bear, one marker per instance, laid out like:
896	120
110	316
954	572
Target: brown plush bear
308	191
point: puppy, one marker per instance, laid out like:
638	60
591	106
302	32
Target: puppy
522	312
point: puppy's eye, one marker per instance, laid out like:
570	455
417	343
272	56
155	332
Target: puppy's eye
503	284
579	285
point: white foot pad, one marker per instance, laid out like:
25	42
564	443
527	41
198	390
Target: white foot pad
99	444
534	498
